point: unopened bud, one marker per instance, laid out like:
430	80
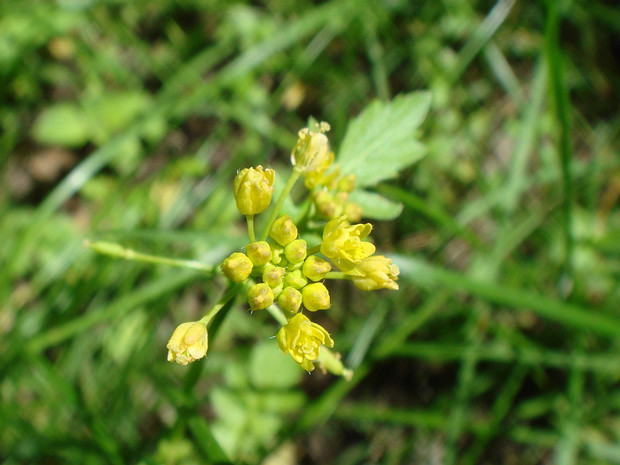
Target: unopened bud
316	268
290	300
295	252
272	275
253	188
259	252
283	230
237	267
316	297
295	279
353	212
260	296
346	183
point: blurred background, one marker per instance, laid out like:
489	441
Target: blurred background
126	121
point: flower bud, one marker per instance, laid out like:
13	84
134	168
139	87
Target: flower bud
316	268
346	183
277	255
316	297
311	149
326	206
295	279
272	275
290	300
277	290
189	342
295	252
259	252
260	296
237	267
283	230
253	188
353	212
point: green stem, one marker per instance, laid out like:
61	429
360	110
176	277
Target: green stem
295	174
305	208
112	249
251	235
337	275
314	250
232	292
277	314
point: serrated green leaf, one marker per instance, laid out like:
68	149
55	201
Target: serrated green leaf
382	141
62	124
376	206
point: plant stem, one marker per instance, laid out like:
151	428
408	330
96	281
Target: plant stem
232	292
313	250
250	220
277	314
337	275
112	249
295	174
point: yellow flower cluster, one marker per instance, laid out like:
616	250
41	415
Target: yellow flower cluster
289	276
282	269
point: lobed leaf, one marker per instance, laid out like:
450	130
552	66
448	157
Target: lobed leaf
381	141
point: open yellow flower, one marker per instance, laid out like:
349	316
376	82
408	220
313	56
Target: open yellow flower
343	243
378	273
303	339
189	342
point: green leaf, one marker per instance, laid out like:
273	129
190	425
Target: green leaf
376	206
62	124
271	369
382	140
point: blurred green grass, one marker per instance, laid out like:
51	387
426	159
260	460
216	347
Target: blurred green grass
127	121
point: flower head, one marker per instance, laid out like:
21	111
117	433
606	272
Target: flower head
343	243
303	339
189	342
252	189
378	273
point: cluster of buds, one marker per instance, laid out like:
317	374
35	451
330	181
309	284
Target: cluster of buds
281	270
330	191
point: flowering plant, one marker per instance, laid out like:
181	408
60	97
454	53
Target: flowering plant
283	270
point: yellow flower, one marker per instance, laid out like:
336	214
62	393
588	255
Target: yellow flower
303	339
343	243
253	188
311	152
189	342
379	273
